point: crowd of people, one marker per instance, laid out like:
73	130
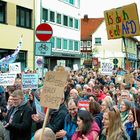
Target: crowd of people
113	111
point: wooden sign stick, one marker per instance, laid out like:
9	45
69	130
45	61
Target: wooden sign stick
44	124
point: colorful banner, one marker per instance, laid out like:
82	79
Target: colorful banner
11	58
122	22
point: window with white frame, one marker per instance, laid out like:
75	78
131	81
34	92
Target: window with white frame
98	41
45	14
65	44
52	16
58	18
76	23
58	43
76	45
71	45
65	20
70	22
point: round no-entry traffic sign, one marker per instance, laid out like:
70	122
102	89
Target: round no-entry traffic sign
44	32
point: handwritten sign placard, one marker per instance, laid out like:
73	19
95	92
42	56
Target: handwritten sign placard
7	79
122	22
53	89
29	81
119	79
128	78
106	68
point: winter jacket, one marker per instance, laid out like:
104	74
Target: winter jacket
70	126
20	127
93	130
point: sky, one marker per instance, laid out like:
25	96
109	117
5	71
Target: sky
96	8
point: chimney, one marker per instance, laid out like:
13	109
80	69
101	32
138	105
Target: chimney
86	17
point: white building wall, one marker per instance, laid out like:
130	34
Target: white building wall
109	48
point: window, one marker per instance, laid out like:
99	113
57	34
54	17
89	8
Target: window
76	24
52	16
24	17
70	22
71	2
98	41
89	43
2	12
65	20
58	43
65	43
45	14
78	3
58	18
70	45
76	46
52	40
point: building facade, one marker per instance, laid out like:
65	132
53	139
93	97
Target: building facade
64	18
16	19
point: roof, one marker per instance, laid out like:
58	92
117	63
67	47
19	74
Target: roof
89	26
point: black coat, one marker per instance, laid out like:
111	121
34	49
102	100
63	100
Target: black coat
57	118
20	128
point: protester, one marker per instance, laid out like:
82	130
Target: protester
132	127
70	121
47	135
19	118
87	127
124	109
112	129
95	110
57	117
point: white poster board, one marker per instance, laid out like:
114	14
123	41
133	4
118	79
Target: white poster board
7	79
15	67
106	68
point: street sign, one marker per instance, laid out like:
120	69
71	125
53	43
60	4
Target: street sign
43	48
44	32
115	61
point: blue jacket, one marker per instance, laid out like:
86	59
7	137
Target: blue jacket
70	126
130	131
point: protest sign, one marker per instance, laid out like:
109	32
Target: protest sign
128	78
29	81
15	67
106	68
53	89
83	104
119	79
7	79
122	21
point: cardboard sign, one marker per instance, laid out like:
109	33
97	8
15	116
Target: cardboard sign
122	22
128	78
15	67
119	79
7	79
53	89
83	104
75	67
29	81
